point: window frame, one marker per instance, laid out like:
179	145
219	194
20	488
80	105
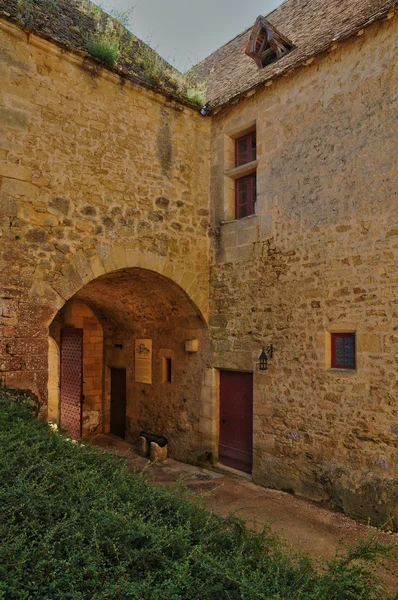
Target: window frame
250	178
334	336
249	149
251	201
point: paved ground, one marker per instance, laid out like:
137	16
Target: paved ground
303	524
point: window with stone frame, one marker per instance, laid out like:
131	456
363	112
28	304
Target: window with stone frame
343	351
245	187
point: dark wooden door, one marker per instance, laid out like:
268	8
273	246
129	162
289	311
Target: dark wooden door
71	381
236	420
118	402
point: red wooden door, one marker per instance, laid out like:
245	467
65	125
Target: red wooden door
118	402
236	420
71	381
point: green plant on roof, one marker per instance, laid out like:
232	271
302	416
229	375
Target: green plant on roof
27	10
196	93
153	65
104	47
111	37
112	41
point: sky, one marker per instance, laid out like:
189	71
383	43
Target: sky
184	31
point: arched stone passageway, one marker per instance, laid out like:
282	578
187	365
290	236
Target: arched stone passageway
169	391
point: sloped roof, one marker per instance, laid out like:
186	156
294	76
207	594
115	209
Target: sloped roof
312	26
69	23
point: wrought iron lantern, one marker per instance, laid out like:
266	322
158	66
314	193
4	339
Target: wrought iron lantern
264	356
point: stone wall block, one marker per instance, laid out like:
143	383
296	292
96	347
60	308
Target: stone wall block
13	119
8	206
144	447
247	235
15	171
265	227
157	453
13	187
369	342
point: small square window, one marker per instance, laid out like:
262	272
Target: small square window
343	351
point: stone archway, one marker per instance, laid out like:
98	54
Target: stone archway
110	258
133	304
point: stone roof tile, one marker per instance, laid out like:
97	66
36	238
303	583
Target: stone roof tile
312	25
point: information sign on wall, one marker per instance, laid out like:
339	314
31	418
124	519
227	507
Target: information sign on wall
143	361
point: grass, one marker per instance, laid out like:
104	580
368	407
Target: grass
105	48
77	524
153	65
108	38
196	94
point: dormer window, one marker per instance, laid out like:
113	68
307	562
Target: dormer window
266	43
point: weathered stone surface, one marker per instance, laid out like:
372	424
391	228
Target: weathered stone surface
104	209
61	205
157	453
143	447
15	119
8	206
326	256
92	177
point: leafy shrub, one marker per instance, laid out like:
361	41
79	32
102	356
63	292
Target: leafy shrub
76	524
104	47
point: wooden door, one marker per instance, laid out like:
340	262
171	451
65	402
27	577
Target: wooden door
71	381
118	402
236	420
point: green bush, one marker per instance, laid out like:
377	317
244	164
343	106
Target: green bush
77	524
104	47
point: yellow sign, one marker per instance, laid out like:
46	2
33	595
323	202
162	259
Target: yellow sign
143	361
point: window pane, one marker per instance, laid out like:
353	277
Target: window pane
242	188
241	153
242	211
345	351
245	196
253	192
253	146
245	149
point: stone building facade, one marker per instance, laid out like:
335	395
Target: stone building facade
118	219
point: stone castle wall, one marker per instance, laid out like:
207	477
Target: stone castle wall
319	256
96	174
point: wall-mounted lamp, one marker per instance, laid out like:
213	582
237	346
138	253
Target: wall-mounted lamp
264	356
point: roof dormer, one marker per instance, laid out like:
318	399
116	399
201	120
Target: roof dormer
266	44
